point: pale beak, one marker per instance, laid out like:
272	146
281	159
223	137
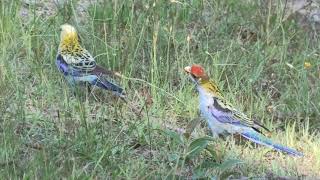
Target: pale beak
187	69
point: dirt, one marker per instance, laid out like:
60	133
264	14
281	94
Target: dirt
306	12
48	8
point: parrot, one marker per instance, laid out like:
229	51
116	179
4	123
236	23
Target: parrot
223	117
79	67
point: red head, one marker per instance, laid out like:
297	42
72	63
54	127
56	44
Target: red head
195	70
198	76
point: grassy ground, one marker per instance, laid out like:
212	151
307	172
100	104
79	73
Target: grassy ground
257	59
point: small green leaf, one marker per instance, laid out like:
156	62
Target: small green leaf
228	175
207	164
175	136
173	157
199	173
197	146
228	164
191	126
200	170
212	152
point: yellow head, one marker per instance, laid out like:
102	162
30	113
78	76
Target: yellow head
68	35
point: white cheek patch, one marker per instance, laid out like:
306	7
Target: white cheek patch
69	59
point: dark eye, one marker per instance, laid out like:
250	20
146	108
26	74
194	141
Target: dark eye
193	76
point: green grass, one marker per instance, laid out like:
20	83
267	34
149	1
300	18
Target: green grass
255	57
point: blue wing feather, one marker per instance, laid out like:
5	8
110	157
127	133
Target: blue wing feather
94	77
65	68
107	85
224	117
62	65
225	113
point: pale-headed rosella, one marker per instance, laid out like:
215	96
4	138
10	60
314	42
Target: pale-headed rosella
79	67
224	118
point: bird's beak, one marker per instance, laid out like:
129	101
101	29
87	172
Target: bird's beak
187	69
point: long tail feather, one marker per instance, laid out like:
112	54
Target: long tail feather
109	86
260	139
